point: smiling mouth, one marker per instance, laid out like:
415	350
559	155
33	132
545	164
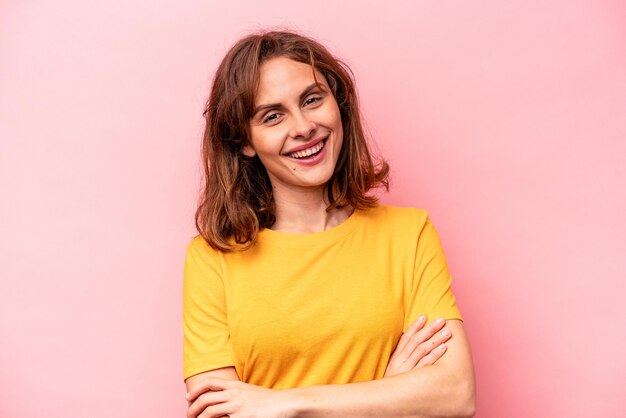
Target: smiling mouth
309	152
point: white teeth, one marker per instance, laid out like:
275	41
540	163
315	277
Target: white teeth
309	151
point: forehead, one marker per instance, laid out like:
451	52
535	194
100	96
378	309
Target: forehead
282	78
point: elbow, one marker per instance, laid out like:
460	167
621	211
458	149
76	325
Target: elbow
465	405
468	410
459	401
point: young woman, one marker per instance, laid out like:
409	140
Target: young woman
302	295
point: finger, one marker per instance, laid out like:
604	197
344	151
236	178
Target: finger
218	411
420	342
209	384
420	336
427	332
417	346
415	326
433	356
428	346
206	400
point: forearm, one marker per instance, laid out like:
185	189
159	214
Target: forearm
445	389
421	393
426	392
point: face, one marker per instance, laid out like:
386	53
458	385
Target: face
296	129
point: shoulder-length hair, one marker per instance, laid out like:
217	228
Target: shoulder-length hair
236	200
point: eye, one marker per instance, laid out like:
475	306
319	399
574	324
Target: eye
312	100
270	117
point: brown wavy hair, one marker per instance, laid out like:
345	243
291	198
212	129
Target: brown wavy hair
236	201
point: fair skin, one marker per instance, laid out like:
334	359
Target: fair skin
293	112
420	346
297	135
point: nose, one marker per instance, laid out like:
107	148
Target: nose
302	126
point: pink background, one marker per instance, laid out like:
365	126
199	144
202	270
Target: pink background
506	120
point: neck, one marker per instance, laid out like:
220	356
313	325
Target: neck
304	211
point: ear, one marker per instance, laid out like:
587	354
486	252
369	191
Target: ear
248	151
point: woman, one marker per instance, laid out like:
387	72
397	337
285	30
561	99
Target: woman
302	295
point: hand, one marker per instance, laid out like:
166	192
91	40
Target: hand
419	346
217	397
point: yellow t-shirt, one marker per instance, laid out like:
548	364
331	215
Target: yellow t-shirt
309	309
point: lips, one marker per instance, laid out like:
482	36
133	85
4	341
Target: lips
302	150
307	152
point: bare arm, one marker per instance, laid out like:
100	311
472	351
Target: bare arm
419	346
444	389
195	381
192	383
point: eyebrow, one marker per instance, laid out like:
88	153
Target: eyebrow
304	93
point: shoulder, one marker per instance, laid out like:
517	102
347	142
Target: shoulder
400	225
198	242
394	217
198	245
199	251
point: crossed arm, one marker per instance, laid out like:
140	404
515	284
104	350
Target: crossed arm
420	382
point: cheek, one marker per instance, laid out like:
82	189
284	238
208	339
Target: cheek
337	120
340	130
268	143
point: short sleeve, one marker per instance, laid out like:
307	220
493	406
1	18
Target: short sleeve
431	291
206	344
